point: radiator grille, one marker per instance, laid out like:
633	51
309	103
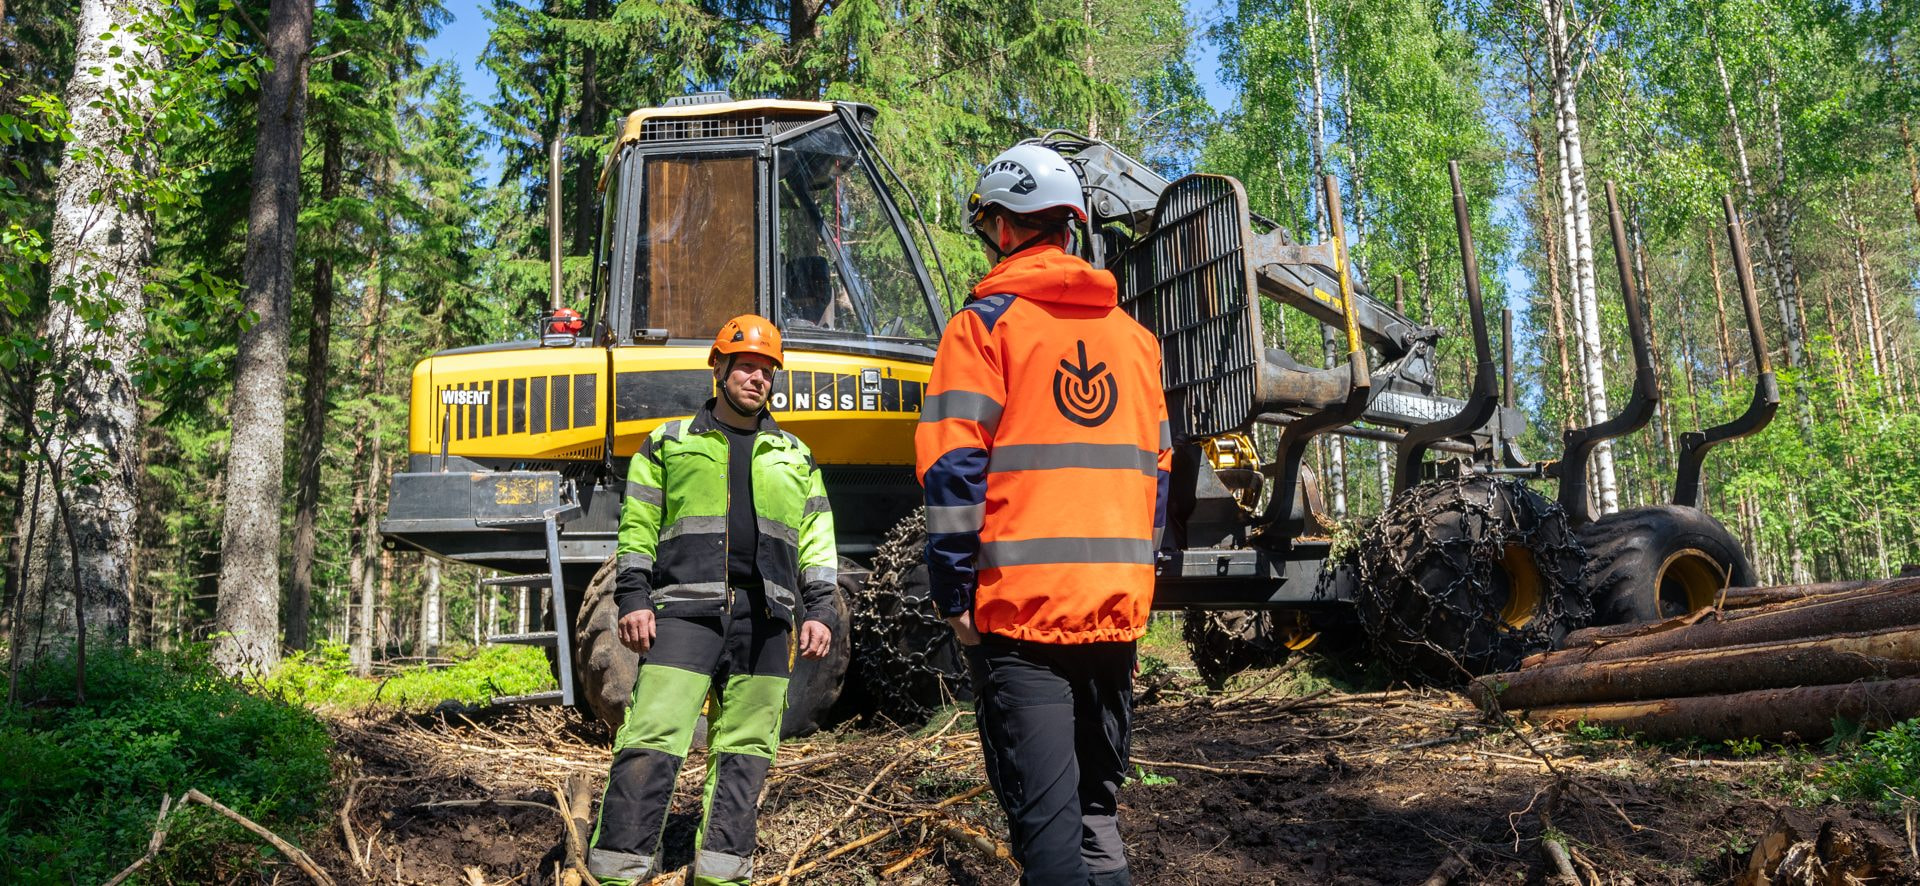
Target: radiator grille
1189	283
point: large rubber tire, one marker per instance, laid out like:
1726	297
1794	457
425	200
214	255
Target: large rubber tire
607	669
816	684
1657	562
1225	642
1466	576
904	653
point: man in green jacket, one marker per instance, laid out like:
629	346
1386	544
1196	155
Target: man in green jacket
726	542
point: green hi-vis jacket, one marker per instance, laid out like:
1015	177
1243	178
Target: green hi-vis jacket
673	524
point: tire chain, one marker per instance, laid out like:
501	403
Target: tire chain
1411	538
902	649
1224	643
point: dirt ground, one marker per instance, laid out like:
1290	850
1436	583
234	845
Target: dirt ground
1255	784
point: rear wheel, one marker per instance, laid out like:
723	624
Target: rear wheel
1658	562
1224	643
904	653
607	669
1467	576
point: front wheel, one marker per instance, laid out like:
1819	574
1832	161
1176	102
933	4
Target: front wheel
1466	576
1660	561
905	654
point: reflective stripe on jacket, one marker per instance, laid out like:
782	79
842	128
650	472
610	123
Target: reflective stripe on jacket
1043	449
673	523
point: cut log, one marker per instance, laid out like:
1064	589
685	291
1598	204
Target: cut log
1819	661
1894	602
1804	714
1747	598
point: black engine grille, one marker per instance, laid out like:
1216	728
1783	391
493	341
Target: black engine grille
1190	284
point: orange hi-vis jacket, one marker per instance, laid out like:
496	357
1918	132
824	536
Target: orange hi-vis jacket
1044	451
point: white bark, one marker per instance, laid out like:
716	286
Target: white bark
102	245
1783	296
430	609
1579	227
1336	445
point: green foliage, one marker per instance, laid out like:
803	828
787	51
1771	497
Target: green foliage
1881	769
1145	778
80	784
323	679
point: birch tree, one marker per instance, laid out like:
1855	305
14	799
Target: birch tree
1566	53
78	531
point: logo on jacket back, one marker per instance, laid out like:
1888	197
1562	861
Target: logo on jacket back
1085	394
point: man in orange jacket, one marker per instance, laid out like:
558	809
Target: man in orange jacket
1044	451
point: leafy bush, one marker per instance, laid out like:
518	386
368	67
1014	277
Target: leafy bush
80	784
324	679
1888	761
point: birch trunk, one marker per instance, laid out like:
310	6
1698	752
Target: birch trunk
1551	244
430	609
1869	300
1791	298
1768	258
1720	308
247	615
75	567
1336	445
1579	225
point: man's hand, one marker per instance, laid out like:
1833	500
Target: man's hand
963	632
815	640
636	631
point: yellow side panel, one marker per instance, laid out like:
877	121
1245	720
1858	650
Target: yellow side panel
848	409
534	404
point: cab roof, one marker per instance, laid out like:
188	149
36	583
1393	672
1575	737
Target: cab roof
711	115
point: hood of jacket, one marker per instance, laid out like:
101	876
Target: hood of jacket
1048	273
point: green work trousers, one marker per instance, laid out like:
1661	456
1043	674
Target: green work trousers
738	665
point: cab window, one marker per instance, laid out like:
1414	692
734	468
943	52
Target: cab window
844	268
698	248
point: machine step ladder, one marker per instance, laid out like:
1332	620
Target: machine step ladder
560	639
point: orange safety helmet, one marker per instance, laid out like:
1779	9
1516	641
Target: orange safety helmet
747	333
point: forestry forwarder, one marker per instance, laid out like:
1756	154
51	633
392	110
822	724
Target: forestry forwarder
713	208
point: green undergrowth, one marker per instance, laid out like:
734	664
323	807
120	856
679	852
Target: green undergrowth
1882	768
81	784
323	679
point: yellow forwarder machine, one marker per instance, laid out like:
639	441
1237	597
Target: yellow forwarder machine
714	208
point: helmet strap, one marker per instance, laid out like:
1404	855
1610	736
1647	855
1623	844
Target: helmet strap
728	397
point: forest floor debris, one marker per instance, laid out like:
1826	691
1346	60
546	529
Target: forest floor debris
1405	786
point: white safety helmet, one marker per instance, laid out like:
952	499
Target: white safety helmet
1025	179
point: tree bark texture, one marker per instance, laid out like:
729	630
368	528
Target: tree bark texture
430	609
1806	713
1817	661
102	245
1892	602
313	418
1768	258
247	615
1550	253
1579	231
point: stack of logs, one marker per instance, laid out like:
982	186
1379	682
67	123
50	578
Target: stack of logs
1769	663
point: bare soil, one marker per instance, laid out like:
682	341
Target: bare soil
1258	784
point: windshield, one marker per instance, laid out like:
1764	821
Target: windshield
845	268
697	249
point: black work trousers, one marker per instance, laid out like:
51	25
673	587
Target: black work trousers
1055	722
